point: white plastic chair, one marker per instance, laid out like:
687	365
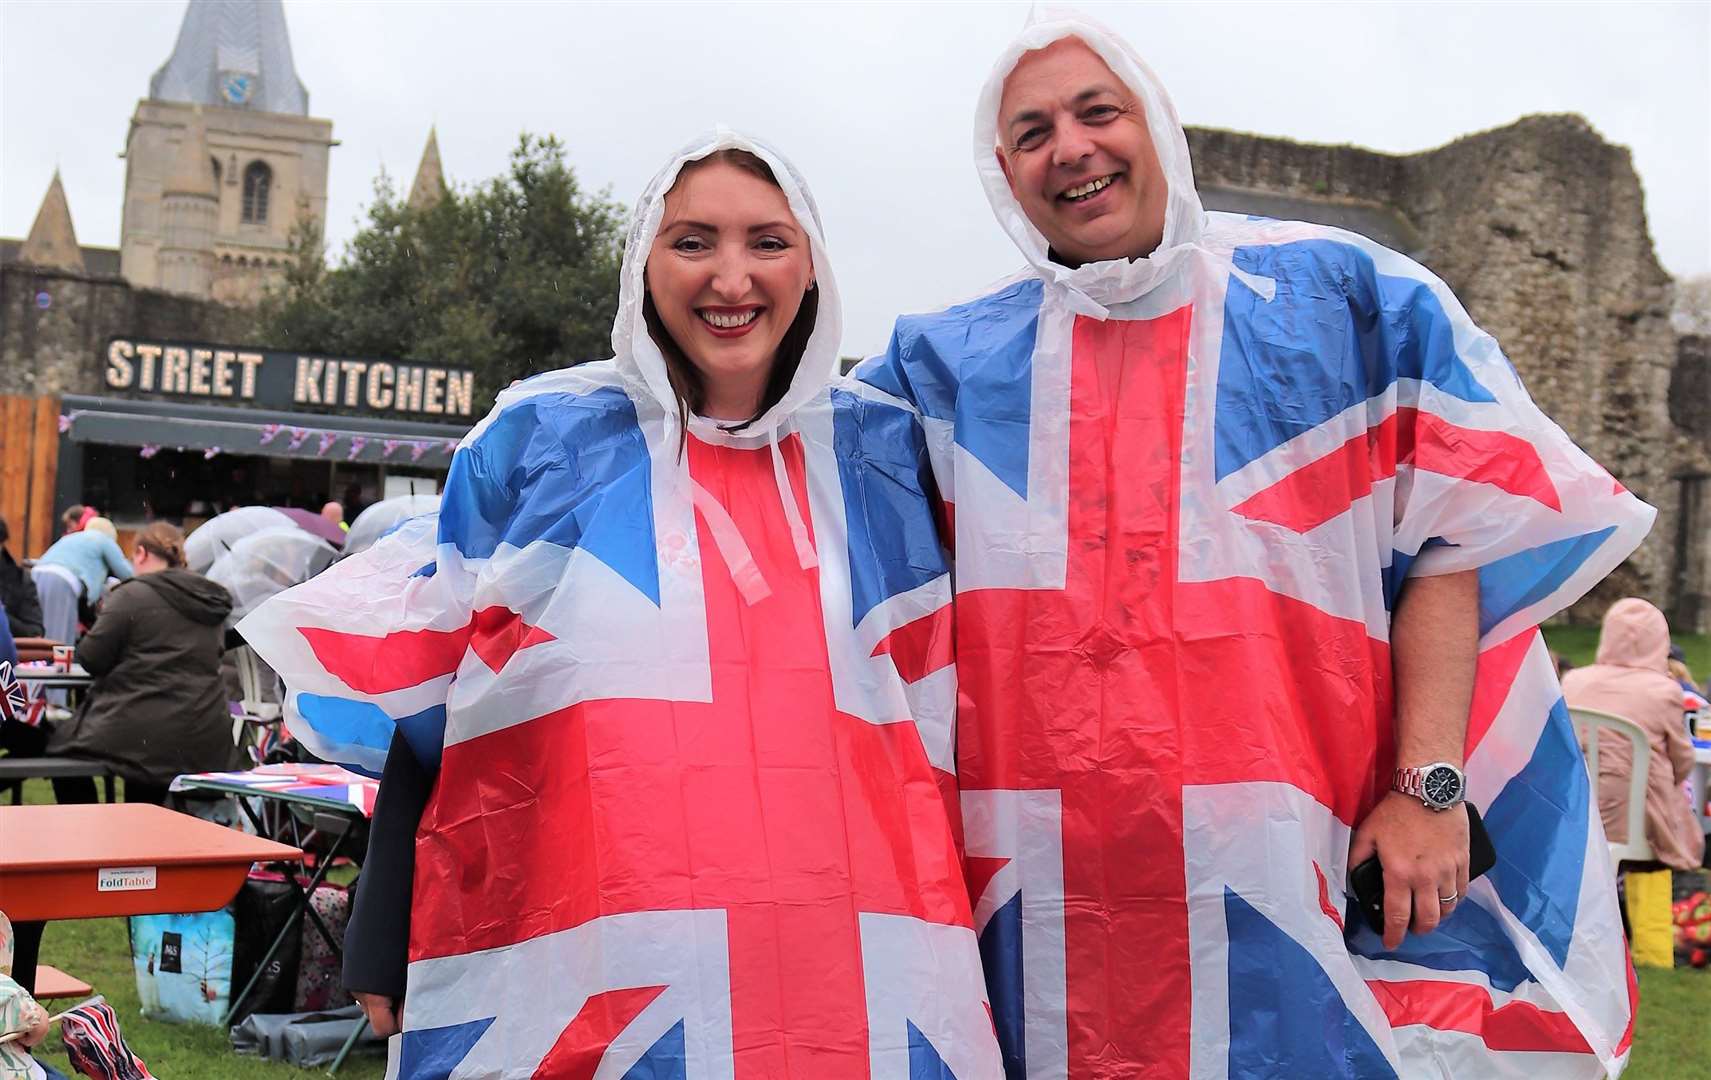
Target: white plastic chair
1587	724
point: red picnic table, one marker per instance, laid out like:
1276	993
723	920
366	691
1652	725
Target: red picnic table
106	859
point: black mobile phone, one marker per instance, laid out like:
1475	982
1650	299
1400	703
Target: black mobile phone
1367	879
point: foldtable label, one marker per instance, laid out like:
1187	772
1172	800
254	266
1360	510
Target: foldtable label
125	879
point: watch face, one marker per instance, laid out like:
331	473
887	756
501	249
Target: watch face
1441	785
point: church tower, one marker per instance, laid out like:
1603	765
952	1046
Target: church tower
189	212
223	160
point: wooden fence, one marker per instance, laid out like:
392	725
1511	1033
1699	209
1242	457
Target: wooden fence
29	461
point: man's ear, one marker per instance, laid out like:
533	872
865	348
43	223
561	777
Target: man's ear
1004	164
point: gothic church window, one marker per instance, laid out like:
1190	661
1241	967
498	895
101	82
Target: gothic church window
258	178
216	163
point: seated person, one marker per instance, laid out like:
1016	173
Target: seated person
157	707
21	1017
1631	679
17	592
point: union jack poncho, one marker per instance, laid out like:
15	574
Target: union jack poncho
690	702
1187	490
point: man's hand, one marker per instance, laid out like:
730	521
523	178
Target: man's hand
1424	855
382	1012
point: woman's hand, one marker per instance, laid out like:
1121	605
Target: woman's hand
382	1012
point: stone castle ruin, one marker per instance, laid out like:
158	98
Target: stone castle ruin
1540	229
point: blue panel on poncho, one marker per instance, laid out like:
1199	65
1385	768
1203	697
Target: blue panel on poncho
973	364
566	469
1285	1009
1337	333
432	1053
882	463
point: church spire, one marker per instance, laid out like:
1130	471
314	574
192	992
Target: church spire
234	54
430	185
52	241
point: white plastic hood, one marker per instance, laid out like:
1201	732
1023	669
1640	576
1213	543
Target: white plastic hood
1093	287
634	351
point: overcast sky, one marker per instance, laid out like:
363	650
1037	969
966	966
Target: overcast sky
873	102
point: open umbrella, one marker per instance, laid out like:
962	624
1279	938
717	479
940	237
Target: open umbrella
384	516
311	522
214	537
266	563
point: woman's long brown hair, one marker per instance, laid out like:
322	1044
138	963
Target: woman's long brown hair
685	379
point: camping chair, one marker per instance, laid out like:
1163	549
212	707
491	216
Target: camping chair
260	729
1587	724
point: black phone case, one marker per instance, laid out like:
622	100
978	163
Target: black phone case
1366	881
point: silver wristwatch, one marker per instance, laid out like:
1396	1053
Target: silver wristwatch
1439	784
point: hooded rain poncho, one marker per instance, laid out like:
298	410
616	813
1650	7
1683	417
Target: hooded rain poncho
1186	492
690	707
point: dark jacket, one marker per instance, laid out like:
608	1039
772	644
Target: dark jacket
157	707
8	648
18	597
377	941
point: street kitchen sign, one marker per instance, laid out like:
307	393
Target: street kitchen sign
222	373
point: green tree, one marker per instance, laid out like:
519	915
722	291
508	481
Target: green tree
512	277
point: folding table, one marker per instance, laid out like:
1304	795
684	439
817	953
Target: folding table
106	859
340	803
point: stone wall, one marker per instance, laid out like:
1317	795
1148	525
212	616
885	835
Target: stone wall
54	326
1540	229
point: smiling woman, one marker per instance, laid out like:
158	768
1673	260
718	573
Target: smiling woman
730	289
687	603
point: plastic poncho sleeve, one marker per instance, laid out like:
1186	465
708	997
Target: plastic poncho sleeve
368	647
1484	480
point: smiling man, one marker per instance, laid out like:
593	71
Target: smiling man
1253	528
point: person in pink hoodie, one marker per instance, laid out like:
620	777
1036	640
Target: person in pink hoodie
1631	679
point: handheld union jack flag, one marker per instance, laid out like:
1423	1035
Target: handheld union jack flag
94	1045
14	701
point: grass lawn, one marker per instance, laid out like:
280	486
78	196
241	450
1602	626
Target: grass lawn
1670	1041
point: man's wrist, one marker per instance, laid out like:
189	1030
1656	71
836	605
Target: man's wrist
1439	785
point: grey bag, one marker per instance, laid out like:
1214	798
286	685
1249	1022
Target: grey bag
305	1040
